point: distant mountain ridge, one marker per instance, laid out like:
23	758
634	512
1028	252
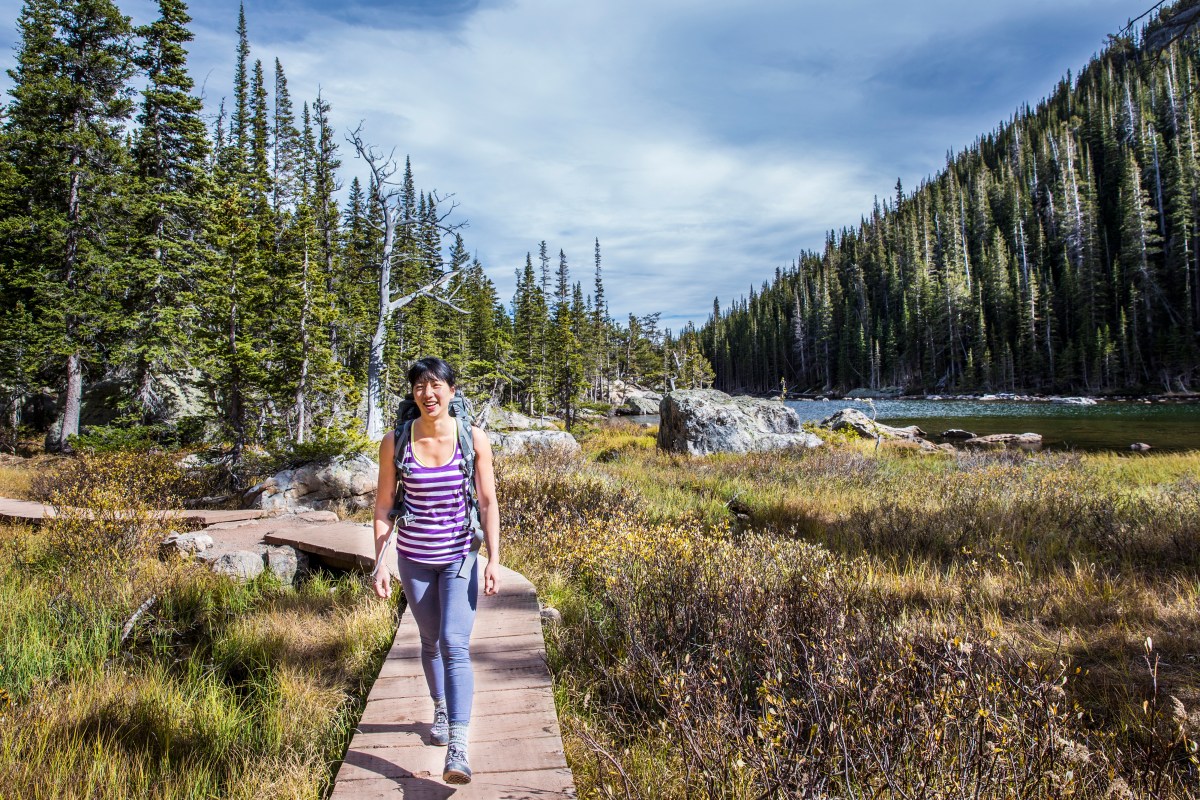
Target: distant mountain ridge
1058	252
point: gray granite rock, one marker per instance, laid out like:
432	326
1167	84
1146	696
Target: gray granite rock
1032	440
640	404
187	543
860	423
704	421
521	441
284	562
243	565
499	419
347	481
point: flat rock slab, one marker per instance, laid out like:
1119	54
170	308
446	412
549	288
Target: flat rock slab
516	746
25	510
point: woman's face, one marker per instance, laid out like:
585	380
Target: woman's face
433	395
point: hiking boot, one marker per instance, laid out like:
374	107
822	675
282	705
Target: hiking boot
457	770
439	734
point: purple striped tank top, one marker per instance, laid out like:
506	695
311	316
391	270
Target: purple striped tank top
434	528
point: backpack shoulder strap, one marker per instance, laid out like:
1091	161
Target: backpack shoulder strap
403	437
466	444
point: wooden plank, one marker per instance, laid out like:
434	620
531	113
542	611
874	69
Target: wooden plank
538	785
36	512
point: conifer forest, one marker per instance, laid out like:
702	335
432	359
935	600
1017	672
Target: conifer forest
1059	252
254	274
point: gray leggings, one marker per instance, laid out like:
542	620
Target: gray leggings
443	606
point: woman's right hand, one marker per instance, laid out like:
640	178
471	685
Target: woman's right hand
383	584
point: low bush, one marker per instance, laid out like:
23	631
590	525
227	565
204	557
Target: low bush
322	443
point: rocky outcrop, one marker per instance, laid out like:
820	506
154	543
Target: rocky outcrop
704	421
855	420
523	441
346	481
1032	440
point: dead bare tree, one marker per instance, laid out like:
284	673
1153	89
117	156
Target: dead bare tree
388	196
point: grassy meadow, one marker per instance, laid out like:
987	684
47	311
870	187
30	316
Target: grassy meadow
835	623
218	689
850	623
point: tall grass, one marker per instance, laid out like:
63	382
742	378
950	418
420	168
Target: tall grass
220	690
841	623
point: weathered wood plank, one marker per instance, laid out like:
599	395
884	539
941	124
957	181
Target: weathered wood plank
28	511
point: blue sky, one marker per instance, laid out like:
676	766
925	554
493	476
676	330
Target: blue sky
704	143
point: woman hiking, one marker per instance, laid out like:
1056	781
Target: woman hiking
436	546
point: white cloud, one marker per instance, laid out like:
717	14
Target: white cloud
704	143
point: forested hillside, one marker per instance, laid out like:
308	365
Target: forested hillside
159	262
1058	252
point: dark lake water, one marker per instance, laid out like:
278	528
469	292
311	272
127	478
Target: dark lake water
1104	426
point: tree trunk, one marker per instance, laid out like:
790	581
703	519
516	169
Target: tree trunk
74	398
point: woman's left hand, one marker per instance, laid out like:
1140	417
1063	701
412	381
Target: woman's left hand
491	578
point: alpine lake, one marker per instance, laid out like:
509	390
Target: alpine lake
1109	425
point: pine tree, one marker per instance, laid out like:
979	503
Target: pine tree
167	199
64	135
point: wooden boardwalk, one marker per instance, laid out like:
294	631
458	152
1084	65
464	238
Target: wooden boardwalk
27	511
515	747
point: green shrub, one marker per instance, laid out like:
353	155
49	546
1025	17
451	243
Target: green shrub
322	443
133	438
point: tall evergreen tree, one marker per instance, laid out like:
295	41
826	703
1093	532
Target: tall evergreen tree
64	134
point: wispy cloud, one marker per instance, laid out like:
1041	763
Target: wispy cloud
704	143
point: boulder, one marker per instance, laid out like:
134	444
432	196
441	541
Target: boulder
187	543
493	418
860	423
640	404
957	433
347	481
704	421
1005	439
245	565
521	441
284	562
1139	447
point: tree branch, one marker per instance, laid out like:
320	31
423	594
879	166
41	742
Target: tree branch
425	291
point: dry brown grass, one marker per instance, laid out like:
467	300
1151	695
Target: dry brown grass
1032	583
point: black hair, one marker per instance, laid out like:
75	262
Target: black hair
431	366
